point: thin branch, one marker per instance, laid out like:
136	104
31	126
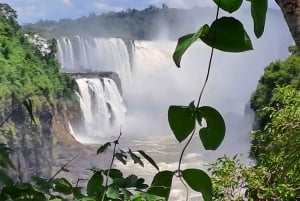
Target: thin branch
116	142
63	168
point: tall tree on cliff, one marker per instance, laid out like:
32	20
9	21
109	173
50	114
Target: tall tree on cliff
291	12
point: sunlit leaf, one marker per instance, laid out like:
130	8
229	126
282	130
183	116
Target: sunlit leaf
213	134
229	5
161	184
126	194
227	34
149	159
184	43
113	192
182	121
199	181
258	12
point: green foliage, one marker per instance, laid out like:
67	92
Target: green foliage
227	34
278	73
182	121
199	181
213	134
228	179
277	150
258	12
229	5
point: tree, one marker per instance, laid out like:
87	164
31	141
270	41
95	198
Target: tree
291	13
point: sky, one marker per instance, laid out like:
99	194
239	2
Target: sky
31	11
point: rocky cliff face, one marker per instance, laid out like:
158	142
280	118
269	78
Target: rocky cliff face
43	149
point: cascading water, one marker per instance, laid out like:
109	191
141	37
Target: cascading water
102	108
79	54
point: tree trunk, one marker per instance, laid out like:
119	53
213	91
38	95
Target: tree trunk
291	12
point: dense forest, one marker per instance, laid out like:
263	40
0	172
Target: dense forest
150	23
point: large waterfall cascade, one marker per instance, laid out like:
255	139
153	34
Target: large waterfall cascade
151	83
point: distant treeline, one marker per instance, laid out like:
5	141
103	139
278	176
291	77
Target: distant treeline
147	24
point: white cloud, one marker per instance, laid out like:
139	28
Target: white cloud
66	2
106	7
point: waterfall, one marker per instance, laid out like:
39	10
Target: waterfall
96	54
102	108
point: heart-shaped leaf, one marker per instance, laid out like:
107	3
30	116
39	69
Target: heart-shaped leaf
199	181
258	12
229	5
182	121
184	43
214	132
227	34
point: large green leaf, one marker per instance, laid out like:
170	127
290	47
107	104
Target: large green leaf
95	184
214	132
182	121
199	181
161	184
258	12
229	5
184	43
227	34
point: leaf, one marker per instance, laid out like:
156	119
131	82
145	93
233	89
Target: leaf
125	193
95	184
161	184
5	179
227	34
113	192
135	158
212	135
140	184
103	148
149	159
259	12
184	43
62	186
28	105
131	181
199	181
229	5
121	157
113	173
182	121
